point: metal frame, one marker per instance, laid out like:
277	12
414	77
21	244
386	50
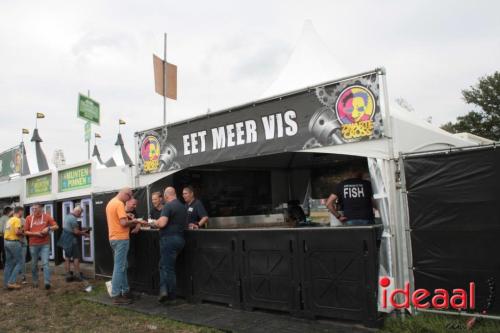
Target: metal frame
90	223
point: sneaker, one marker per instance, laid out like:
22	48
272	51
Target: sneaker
13	286
47	286
23	280
120	300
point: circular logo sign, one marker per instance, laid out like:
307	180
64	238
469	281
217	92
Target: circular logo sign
355	104
150	153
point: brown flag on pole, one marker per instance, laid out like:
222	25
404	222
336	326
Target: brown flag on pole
158	64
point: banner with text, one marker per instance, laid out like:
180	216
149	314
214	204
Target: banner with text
333	114
75	178
11	162
40	185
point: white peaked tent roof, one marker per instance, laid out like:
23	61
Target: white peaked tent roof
311	63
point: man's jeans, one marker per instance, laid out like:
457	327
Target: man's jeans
119	281
359	222
42	251
13	254
170	247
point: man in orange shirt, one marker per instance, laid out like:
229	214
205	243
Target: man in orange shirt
37	227
118	231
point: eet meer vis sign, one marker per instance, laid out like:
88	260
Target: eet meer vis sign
88	109
337	113
37	186
75	178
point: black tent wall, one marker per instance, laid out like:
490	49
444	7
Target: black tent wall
454	211
102	249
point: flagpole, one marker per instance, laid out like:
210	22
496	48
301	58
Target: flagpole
165	79
88	142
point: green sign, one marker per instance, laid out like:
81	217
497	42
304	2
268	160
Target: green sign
88	109
87	131
75	178
11	162
40	185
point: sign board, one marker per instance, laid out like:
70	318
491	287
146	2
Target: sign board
11	162
88	109
337	113
158	66
40	185
75	178
88	131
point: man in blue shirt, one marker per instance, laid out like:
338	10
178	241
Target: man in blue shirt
196	214
69	243
172	223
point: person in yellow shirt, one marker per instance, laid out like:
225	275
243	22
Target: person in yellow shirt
13	250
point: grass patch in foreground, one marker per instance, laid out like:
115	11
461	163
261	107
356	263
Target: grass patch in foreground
63	309
434	323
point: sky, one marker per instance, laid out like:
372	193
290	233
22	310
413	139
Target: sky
227	53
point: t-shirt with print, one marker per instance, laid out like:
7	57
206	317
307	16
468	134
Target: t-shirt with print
37	224
70	223
11	226
355	197
115	210
195	211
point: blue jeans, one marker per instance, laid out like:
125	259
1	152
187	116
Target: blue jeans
42	251
119	281
170	247
357	222
24	249
13	254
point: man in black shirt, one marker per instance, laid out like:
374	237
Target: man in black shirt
196	214
172	223
355	196
157	201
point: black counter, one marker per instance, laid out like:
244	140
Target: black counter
313	272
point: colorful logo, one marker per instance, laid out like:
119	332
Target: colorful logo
355	109
150	153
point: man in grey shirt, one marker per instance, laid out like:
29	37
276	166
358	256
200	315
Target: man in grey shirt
69	243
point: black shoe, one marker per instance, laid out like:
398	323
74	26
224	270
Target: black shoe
163	297
47	286
69	277
128	295
120	300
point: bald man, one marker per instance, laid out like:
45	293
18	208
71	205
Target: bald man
118	230
69	243
172	223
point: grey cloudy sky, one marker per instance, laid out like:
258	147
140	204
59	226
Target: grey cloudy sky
227	52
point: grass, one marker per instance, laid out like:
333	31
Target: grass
63	309
434	323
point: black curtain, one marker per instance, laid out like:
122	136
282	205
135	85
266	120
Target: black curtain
454	210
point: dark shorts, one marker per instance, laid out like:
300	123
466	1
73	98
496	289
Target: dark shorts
72	252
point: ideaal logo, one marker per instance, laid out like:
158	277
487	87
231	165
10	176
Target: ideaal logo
460	299
150	153
355	109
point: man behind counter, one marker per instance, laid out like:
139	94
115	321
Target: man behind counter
355	195
196	214
157	201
